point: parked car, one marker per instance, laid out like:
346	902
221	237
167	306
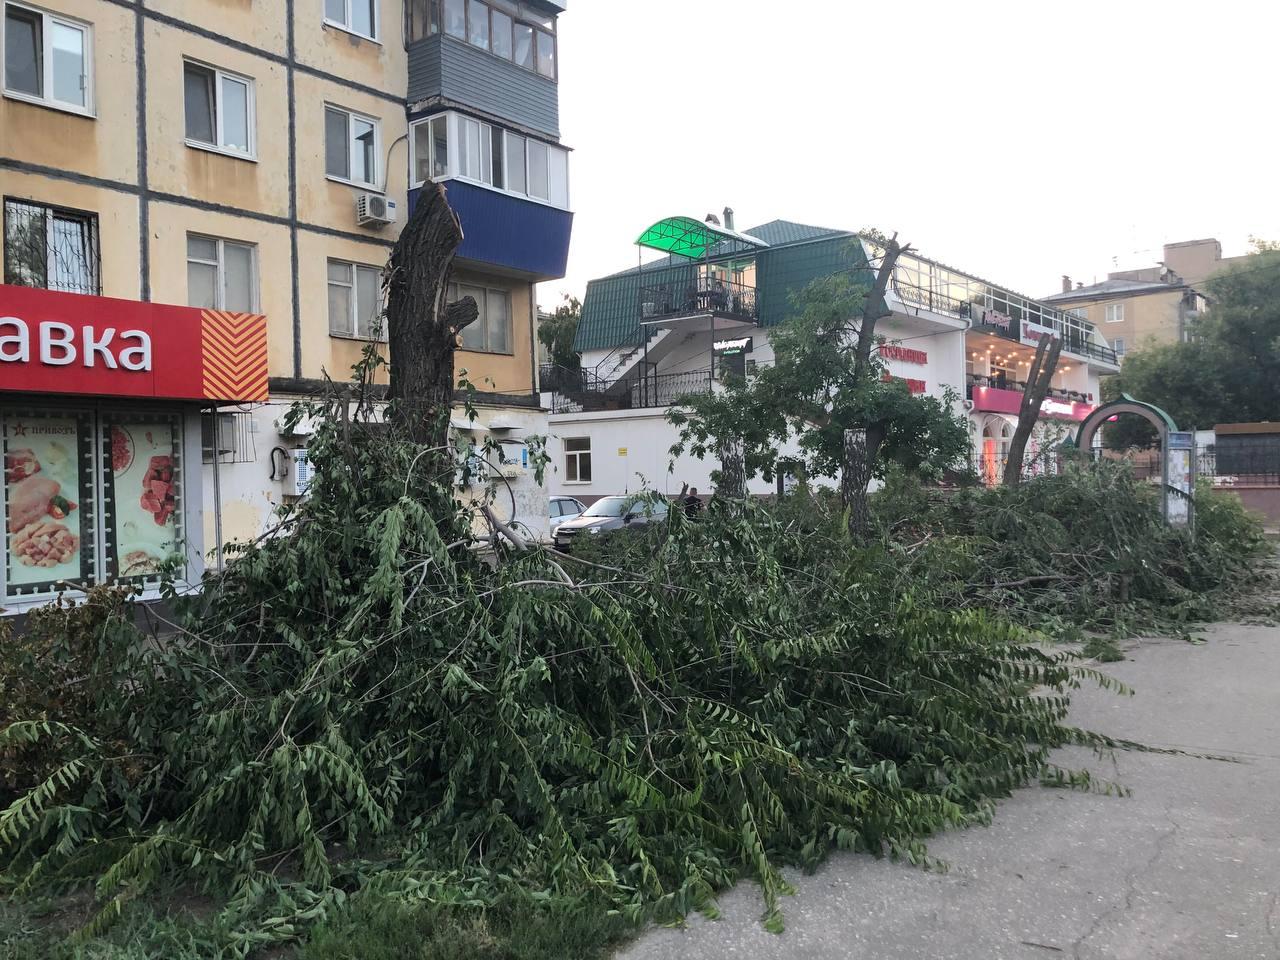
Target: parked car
608	514
564	508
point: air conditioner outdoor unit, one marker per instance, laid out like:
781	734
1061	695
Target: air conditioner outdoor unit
299	478
374	210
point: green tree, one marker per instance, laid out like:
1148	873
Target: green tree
826	381
556	333
1231	372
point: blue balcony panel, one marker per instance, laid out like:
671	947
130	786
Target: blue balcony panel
519	235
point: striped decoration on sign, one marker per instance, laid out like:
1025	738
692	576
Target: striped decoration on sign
235	355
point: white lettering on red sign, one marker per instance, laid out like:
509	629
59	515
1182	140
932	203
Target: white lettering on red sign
57	345
1058	407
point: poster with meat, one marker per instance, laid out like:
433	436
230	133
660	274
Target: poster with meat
145	494
44	484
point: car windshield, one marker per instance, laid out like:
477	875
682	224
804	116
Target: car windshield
608	507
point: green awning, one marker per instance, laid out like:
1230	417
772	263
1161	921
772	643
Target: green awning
686	237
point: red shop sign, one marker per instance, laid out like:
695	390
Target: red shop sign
53	342
892	351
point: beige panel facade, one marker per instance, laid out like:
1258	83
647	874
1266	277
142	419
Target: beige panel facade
323	353
260	25
503	372
170	225
175	167
120	252
382	63
1148	318
106	146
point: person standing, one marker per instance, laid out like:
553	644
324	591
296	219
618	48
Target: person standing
692	504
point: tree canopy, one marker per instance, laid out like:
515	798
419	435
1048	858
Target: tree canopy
556	333
814	391
1230	372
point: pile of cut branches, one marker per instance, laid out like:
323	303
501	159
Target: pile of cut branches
1084	549
361	708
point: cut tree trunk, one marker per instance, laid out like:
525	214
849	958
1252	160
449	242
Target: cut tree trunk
1042	369
422	327
731	482
861	446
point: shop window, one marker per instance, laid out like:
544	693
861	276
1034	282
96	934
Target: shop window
90	496
50	247
219	108
355	301
47	58
351	147
355	16
577	460
1115	312
491	331
221	274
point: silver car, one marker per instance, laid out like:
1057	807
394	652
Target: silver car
564	508
609	514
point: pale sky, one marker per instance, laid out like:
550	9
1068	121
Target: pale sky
1015	140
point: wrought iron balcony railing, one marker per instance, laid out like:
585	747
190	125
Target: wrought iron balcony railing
704	296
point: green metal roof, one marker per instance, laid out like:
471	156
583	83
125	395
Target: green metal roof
686	237
796	255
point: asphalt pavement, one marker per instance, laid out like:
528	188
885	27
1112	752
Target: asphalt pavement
1185	868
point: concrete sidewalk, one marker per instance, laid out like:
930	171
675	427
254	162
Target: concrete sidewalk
1187	868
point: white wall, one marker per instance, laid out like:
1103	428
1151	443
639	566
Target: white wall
250	497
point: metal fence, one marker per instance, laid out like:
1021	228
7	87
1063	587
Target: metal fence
704	295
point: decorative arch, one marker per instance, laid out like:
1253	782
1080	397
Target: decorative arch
1125	404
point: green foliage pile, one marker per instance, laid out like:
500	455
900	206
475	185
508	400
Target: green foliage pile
362	711
1084	549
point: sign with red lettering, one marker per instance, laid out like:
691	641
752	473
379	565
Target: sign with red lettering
913	386
1031	332
52	342
892	351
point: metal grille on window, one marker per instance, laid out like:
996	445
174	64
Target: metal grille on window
234	436
50	248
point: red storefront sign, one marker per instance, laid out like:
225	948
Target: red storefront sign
914	386
892	351
996	400
69	343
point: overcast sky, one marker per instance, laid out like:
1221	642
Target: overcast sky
1015	140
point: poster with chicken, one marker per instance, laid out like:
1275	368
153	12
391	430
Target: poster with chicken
42	492
144	467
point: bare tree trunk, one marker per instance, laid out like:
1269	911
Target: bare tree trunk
874	307
1042	369
861	447
422	327
732	477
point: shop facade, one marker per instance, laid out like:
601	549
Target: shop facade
101	409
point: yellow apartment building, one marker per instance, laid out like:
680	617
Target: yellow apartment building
246	159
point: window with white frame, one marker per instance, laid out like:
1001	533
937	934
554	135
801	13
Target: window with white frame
351	144
577	459
354	16
452	145
221	274
491	331
1118	346
47	58
1115	312
50	247
355	300
499	27
220	109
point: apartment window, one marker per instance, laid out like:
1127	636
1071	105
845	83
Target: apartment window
431	149
221	274
1118	346
455	18
454	145
524	55
47	58
351	146
1115	312
502	36
577	459
50	247
424	19
219	109
491	331
355	300
354	16
478	24
546	54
